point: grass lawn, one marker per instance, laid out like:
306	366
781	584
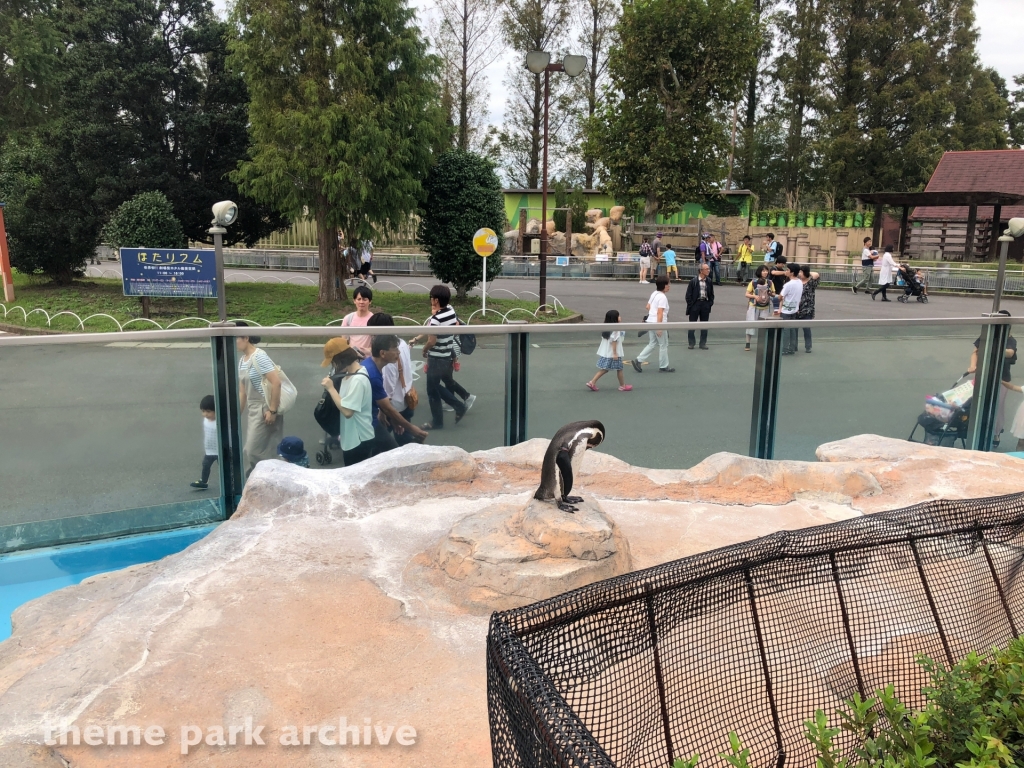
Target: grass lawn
264	303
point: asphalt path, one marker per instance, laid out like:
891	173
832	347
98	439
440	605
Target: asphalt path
96	428
594	297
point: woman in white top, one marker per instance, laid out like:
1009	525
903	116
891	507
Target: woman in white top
259	394
609	354
354	399
889	268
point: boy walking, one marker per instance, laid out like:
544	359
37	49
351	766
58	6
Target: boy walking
657	313
206	405
867	266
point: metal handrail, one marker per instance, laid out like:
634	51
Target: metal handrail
215	331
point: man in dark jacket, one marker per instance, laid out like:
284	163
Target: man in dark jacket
700	297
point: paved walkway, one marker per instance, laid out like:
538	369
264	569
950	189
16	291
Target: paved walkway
594	297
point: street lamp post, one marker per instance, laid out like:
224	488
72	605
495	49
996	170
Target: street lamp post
224	214
1014	229
573	66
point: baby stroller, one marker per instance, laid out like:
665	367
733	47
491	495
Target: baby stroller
946	415
912	286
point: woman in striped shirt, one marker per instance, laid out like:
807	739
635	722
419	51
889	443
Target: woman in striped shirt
439	352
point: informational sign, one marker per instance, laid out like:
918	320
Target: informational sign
185	273
485	242
602	257
561	261
625	257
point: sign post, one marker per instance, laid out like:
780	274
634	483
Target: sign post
5	261
485	242
169	272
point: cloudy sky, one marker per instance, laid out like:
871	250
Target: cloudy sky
1001	23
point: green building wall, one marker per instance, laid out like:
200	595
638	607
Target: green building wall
516	201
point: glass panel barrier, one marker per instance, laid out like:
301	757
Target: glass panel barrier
102	439
481	375
668	420
873	380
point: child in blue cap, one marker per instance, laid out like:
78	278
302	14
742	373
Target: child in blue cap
292	450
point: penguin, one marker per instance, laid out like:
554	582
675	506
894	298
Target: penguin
563	459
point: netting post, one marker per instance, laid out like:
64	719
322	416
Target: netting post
765	670
999	585
987	387
658	673
846	623
766	393
931	602
517	365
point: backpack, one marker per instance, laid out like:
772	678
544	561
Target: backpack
646	250
761	296
466	341
698	254
778	250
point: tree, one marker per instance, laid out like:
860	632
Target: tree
345	115
463	195
1015	122
466	39
597	20
532	25
145	221
29	46
803	46
662	137
748	170
140	101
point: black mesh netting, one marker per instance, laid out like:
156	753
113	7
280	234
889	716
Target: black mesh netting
664	663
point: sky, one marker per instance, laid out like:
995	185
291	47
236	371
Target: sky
1001	23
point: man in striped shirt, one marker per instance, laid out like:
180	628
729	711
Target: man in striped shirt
439	352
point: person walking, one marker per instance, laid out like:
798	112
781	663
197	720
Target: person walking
806	311
715	257
259	395
398	381
789	306
744	259
867	266
610	354
645	260
388	421
439	353
353	398
366	268
759	300
670	264
657	313
700	297
656	251
885	274
362	297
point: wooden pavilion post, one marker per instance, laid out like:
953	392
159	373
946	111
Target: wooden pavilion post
993	239
876	233
972	223
904	225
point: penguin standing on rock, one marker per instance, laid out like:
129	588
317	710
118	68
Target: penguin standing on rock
563	460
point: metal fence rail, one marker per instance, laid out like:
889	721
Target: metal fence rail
663	663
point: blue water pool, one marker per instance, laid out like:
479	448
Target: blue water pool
25	576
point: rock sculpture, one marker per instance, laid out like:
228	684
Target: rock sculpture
362	593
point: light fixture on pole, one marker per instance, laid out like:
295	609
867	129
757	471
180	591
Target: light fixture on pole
224	215
1014	229
574	66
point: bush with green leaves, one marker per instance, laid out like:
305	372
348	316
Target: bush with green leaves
145	221
463	195
576	201
973	717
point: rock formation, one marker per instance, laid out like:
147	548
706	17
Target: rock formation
358	593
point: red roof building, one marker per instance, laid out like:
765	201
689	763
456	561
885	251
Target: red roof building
998	170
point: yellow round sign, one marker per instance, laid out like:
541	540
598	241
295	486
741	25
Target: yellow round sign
485	242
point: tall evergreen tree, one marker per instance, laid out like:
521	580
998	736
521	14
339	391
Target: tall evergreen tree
663	138
597	20
345	115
